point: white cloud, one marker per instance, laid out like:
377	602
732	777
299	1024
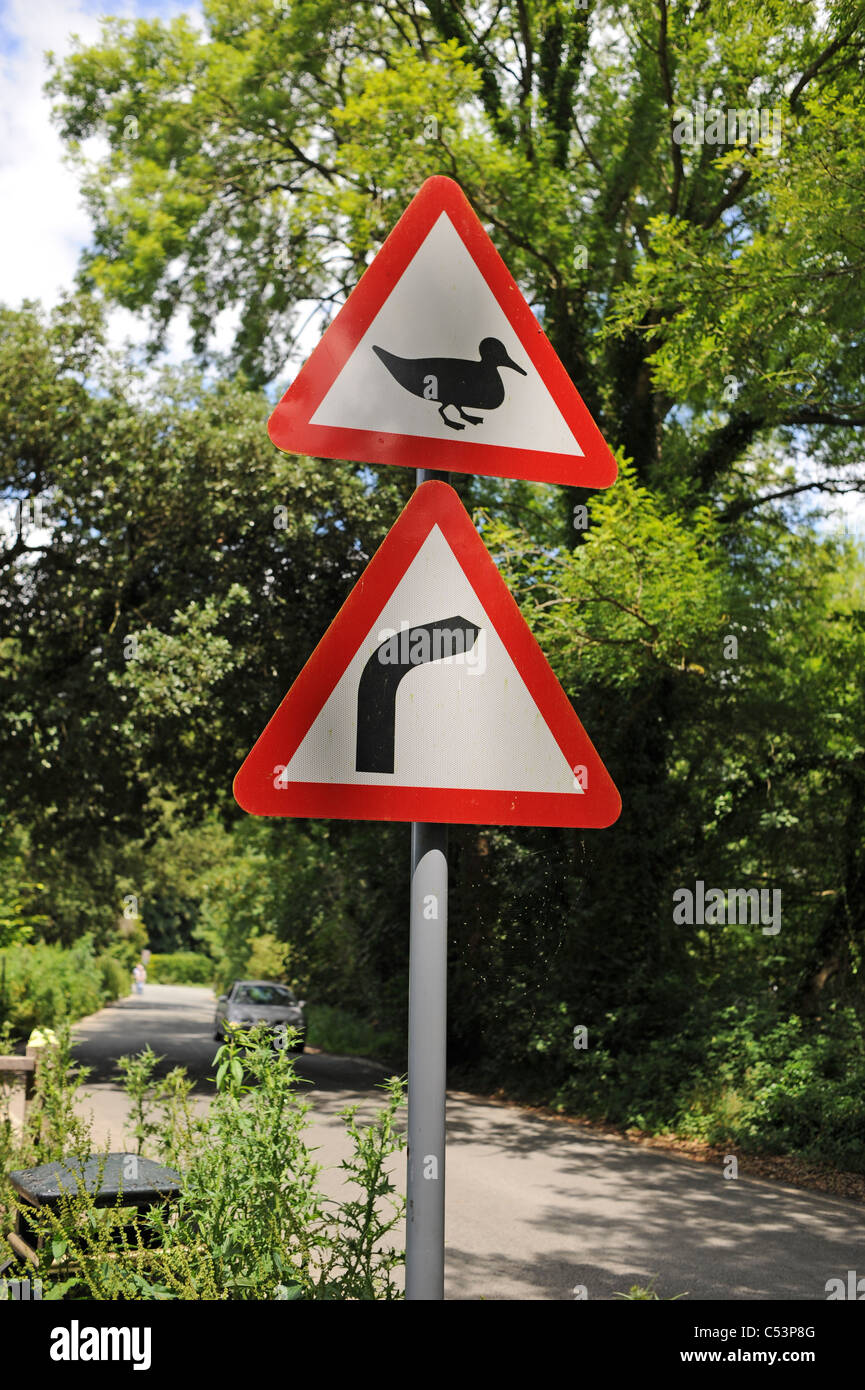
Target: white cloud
44	223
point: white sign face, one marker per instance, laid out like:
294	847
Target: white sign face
461	721
440	360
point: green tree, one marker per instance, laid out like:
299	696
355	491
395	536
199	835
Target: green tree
182	572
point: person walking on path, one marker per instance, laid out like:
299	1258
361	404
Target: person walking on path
139	975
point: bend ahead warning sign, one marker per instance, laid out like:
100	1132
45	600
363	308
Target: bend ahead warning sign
429	699
436	360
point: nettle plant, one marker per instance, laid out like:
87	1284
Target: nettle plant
252	1222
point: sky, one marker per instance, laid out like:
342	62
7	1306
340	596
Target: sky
44	225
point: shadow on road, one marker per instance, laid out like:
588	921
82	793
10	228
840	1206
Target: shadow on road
633	1213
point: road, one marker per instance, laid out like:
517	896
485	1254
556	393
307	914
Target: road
536	1208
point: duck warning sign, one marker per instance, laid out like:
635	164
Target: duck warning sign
436	360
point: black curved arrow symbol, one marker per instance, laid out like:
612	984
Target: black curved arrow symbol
380	678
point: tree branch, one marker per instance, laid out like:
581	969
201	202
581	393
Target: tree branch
663	58
728	199
738	508
823	58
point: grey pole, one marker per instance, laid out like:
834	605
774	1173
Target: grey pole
427	1013
427	1017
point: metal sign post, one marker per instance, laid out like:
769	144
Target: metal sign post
427	1049
427	1016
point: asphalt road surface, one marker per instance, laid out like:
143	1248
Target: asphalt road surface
536	1209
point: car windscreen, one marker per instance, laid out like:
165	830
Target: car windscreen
268	995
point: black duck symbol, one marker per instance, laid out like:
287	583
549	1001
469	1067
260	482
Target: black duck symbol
454	381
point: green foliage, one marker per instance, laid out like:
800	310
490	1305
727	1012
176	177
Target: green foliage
52	1125
180	968
805	1091
137	1073
46	984
126	945
647	1293
115	978
645	591
341	1032
742	1077
268	958
18	921
252	1222
251	1195
702	263
165	569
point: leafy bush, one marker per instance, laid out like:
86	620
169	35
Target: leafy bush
45	984
334	1030
743	1077
180	968
128	943
115	977
807	1092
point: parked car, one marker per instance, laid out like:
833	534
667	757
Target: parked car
260	1001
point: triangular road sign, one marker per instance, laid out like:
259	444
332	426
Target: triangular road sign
436	360
428	699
